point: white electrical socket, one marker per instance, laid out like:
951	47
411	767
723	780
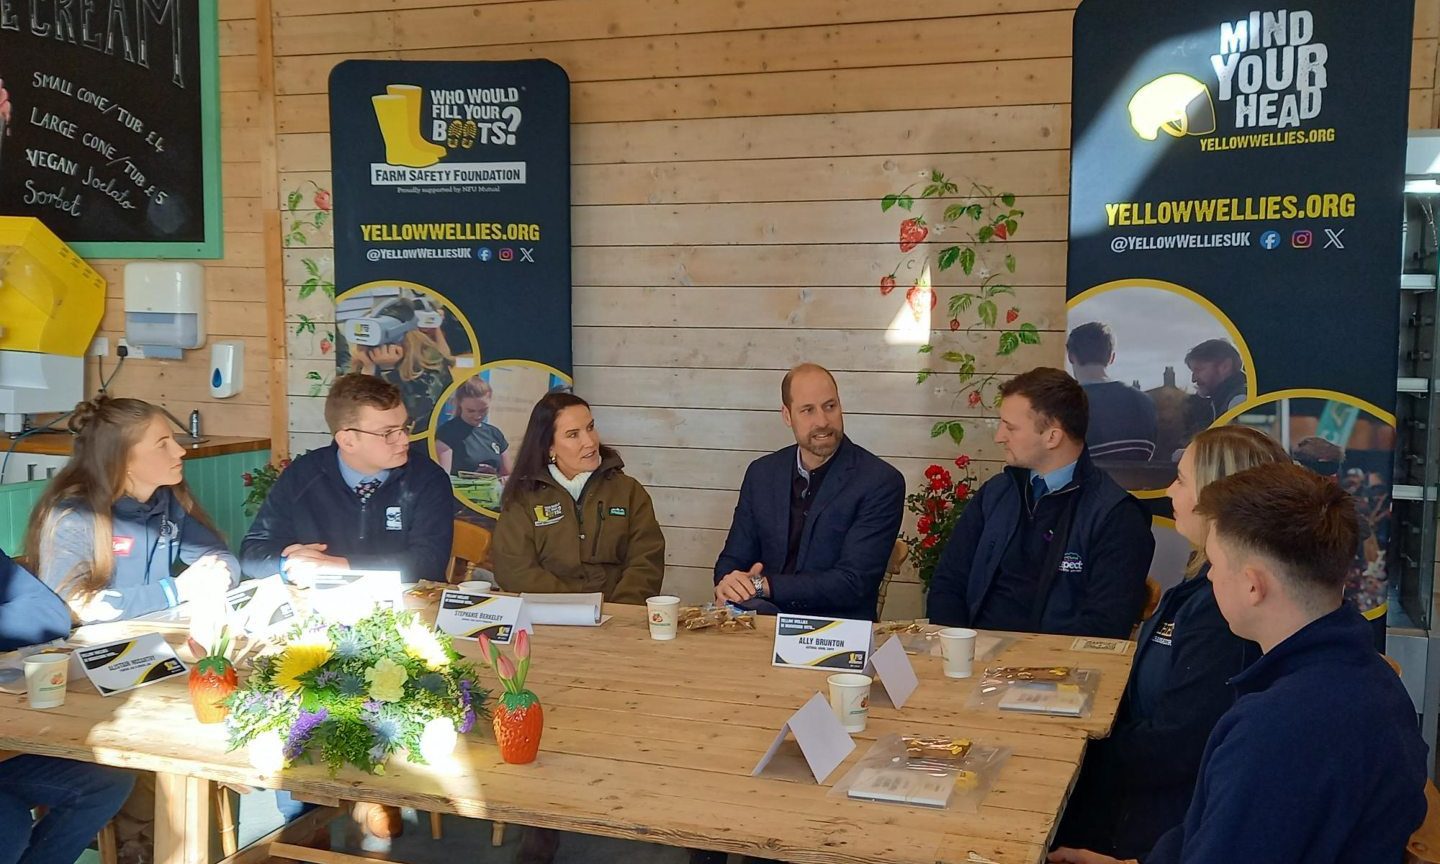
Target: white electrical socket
99	347
136	352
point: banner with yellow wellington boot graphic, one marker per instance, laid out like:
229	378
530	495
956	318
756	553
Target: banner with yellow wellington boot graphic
452	249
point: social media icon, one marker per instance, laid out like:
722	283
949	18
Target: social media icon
507	254
1270	239
527	254
1302	239
484	253
1332	238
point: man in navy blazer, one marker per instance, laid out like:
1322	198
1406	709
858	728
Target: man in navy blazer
816	522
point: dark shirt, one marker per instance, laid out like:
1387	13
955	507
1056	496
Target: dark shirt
1122	422
1010	605
1320	760
802	493
472	446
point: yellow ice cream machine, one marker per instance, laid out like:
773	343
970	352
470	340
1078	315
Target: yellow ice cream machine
51	303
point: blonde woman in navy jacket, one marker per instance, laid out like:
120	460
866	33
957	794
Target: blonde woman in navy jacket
1136	784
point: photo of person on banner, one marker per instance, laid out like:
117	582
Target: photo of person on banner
1158	363
476	423
404	336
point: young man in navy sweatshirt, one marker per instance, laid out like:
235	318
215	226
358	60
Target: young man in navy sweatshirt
81	797
1320	760
362	503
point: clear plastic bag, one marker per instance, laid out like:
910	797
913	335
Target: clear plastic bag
921	637
719	619
942	773
1060	691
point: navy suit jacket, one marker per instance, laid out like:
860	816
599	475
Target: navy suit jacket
846	542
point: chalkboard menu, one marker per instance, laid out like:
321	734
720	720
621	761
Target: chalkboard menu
109	124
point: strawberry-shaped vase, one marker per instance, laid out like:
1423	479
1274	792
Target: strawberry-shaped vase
212	680
519	720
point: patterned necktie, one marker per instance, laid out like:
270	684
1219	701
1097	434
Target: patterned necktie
365	489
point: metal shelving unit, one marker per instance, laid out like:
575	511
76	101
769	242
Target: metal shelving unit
1413	638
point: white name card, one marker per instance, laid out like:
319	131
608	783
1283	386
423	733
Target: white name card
811	642
130	663
466	616
260	607
890	665
346	596
823	741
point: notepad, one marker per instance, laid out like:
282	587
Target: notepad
903	786
1067	703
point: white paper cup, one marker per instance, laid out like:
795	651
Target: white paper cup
474	587
850	699
664	613
45	679
957	648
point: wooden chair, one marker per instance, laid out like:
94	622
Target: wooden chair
470	547
1424	846
892	569
1152	598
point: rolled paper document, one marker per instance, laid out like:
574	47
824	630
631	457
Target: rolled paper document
575	610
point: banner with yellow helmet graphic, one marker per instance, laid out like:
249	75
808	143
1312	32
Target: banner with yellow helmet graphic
1235	242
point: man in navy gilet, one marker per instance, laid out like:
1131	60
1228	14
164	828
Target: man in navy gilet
1051	544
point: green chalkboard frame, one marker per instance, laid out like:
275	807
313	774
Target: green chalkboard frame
213	246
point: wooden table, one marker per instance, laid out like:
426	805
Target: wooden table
651	741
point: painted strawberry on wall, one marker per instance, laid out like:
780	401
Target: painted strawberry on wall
977	224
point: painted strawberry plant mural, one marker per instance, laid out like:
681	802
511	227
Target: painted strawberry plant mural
977	224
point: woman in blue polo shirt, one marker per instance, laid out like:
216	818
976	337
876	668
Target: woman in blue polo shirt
117	532
1136	784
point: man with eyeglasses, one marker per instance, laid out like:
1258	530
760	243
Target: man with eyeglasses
362	503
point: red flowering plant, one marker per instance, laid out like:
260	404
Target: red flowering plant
258	484
938	505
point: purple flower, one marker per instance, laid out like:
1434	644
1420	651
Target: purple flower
300	733
468	721
326	678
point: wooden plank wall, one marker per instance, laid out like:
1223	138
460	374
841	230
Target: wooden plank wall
728	159
234	285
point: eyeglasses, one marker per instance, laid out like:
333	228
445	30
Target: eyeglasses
389	436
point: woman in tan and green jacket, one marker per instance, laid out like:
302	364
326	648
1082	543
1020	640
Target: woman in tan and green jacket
571	520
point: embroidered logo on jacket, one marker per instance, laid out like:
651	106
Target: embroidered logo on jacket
392	519
548	514
617	511
122	545
1071	563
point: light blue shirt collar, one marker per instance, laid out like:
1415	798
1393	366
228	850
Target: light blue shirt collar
1057	479
354	478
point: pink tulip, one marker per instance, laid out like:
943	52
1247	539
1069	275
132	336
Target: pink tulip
505	668
488	649
522	645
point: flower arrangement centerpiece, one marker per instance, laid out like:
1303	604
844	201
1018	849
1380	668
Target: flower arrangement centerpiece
356	694
519	720
938	505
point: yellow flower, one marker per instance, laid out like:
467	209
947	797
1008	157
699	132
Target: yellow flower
299	658
420	643
387	680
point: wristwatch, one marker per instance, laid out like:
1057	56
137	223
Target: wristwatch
759	583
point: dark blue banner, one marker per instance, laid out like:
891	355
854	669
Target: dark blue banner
452	248
1235	241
